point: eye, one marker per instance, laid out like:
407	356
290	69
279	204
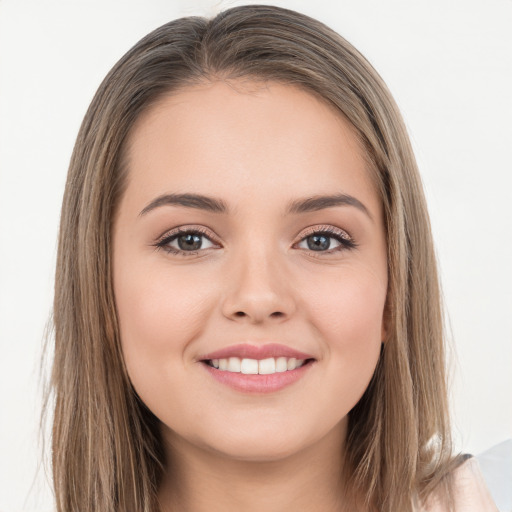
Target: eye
326	240
183	241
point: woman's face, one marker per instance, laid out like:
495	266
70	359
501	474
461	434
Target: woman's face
250	237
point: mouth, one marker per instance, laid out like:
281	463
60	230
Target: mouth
257	368
248	366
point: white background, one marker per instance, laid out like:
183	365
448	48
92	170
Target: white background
449	66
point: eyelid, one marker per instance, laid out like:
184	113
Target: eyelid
162	241
346	241
187	228
325	228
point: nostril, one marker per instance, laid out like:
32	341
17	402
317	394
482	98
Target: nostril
257	317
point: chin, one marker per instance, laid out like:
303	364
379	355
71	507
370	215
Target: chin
257	449
268	441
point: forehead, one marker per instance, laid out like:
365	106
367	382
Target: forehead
246	140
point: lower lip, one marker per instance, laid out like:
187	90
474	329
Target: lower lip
258	383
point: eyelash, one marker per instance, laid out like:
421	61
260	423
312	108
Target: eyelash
342	237
345	240
164	241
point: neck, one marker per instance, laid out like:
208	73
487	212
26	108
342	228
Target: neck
200	480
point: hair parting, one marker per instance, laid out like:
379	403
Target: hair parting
107	450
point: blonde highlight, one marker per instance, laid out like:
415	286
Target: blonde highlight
107	452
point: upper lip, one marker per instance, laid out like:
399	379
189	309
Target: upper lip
250	351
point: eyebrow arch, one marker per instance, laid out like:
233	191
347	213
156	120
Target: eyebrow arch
197	201
315	203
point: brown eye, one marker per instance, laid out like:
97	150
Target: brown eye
190	242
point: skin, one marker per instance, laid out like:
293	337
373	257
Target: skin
256	147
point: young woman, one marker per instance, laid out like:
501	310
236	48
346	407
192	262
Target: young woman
247	312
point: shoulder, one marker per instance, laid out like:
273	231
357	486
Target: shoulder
470	491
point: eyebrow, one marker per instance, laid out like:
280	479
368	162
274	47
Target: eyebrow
315	203
214	205
196	201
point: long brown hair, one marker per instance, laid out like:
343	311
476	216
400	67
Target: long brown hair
107	451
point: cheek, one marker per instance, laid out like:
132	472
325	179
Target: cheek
159	315
349	308
159	303
349	318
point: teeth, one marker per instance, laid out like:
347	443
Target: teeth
281	364
234	364
267	366
249	366
254	366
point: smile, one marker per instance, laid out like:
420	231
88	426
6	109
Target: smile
254	366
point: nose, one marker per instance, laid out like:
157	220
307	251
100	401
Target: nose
258	290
